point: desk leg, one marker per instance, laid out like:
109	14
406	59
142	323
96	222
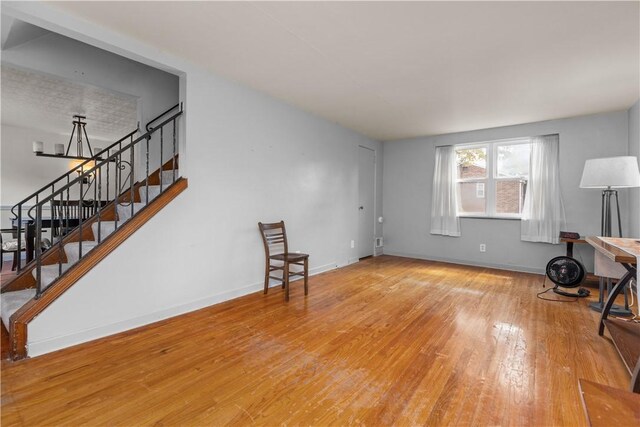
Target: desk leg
570	249
631	272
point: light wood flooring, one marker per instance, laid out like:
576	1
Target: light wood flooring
387	341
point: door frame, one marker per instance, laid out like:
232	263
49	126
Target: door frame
375	194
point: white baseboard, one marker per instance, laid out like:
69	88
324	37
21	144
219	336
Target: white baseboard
61	342
507	267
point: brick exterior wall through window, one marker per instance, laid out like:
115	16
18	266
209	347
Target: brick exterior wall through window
509	193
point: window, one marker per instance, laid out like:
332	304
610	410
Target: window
492	178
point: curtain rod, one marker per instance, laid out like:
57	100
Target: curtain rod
495	140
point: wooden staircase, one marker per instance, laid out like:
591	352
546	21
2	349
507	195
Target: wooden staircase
25	279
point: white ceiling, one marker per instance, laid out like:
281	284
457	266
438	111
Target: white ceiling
40	101
393	70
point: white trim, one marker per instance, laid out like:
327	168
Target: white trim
479	216
444	233
353	260
506	267
24	207
65	341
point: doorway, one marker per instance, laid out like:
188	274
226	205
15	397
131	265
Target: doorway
366	198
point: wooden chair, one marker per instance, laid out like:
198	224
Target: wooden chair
10	246
67	213
274	237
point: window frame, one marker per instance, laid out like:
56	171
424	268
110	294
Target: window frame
491	179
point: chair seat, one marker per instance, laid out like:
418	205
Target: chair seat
12	245
289	257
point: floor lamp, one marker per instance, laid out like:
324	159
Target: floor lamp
608	174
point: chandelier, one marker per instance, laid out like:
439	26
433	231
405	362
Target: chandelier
80	134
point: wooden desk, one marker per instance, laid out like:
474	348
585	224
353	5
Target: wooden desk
625	335
612	252
607	406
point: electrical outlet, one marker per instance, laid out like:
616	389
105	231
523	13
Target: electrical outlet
483	247
353	244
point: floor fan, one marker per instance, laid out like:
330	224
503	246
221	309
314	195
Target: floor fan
567	272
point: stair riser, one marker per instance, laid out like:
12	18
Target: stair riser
49	273
124	211
154	191
167	177
106	228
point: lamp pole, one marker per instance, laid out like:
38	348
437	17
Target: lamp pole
605	230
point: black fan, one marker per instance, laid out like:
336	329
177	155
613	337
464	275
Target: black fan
567	272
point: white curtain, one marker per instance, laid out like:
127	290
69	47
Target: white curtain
543	212
444	204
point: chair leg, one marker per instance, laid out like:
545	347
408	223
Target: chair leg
286	281
306	276
283	283
15	261
266	278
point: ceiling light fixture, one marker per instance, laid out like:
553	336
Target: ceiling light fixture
79	123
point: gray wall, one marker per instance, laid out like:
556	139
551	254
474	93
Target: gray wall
248	158
634	150
408	175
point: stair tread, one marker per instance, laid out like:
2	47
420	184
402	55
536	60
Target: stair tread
72	250
51	267
11	302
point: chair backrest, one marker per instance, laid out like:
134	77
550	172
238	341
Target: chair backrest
13	231
68	212
274	238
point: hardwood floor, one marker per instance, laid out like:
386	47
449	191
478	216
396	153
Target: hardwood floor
387	341
6	274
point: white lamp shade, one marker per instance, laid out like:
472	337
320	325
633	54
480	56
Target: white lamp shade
58	149
614	172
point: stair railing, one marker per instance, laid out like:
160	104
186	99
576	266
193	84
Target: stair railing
26	205
101	175
149	128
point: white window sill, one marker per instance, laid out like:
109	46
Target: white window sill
490	217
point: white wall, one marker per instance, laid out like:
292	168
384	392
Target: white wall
249	158
408	169
634	150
